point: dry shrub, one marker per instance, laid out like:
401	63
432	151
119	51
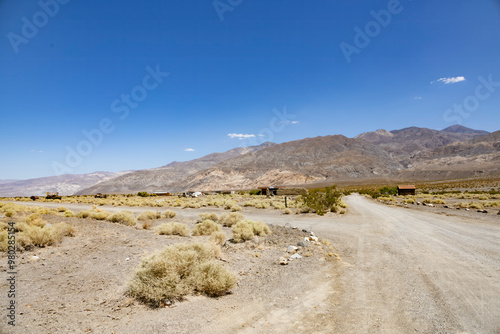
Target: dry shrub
262	204
61	209
474	205
94	214
206	227
33	217
170	214
178	270
209	215
69	213
173	229
218	238
147	225
287	211
147	215
123	217
231	218
438	201
235	208
247	229
213	279
10	213
64	229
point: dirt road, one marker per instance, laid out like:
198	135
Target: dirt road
403	271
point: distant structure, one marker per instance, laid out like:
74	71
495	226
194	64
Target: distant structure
282	191
161	193
268	191
404	190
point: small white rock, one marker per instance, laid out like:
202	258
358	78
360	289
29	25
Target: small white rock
291	249
295	256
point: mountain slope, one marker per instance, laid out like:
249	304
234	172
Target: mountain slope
64	184
305	161
412	140
161	178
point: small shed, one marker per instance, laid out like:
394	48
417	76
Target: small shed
404	190
268	191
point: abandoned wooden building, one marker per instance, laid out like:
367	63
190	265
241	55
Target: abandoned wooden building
404	190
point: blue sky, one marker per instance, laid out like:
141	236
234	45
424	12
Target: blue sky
267	70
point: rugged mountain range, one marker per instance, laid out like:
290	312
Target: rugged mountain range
164	178
64	184
411	154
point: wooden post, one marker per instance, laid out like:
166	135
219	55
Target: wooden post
286	205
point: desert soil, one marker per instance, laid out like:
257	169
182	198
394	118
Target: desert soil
401	271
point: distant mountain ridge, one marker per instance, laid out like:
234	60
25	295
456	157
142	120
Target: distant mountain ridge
163	178
63	184
407	154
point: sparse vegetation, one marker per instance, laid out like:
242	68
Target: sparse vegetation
247	229
123	217
170	214
218	238
149	215
178	270
322	201
172	229
229	219
206	227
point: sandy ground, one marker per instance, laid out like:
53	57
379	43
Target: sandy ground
402	271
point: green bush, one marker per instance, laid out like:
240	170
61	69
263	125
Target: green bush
143	194
322	201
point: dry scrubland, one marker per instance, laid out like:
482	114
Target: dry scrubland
477	195
229	202
173	258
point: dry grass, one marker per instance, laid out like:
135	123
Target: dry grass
229	219
40	234
178	270
123	217
218	238
170	214
287	211
206	227
247	229
235	208
209	215
172	229
149	215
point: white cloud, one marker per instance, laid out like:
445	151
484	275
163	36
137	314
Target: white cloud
189	149
294	122
449	80
240	135
417	98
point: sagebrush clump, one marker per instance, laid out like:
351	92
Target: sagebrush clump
170	214
123	217
206	227
229	219
178	270
172	229
247	229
